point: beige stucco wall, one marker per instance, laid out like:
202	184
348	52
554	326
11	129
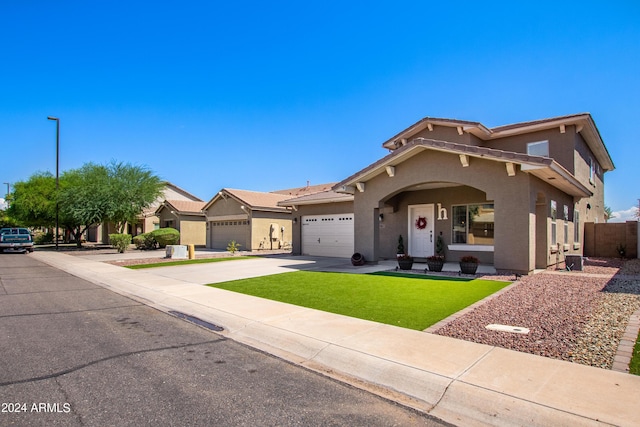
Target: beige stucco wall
560	144
260	233
193	232
165	216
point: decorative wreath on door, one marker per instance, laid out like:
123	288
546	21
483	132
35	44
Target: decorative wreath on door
421	223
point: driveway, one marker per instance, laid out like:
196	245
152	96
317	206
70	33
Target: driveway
216	272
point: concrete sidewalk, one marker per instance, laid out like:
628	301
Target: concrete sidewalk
457	381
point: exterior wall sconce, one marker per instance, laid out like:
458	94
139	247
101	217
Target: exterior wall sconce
381	217
295	220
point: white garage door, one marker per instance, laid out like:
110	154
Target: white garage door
328	235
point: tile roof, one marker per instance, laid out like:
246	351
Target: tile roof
584	125
309	189
547	167
257	199
317	198
185	206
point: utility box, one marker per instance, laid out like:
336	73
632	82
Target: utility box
573	262
176	251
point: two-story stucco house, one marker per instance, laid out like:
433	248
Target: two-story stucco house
515	196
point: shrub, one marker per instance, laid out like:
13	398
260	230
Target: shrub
233	247
120	241
166	236
145	241
469	258
43	238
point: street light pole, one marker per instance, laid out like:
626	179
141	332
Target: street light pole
8	188
57	172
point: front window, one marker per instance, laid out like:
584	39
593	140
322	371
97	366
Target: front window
576	225
473	224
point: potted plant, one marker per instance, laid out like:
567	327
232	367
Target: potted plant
468	264
436	262
400	251
405	262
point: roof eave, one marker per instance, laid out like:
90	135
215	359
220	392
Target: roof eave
293	202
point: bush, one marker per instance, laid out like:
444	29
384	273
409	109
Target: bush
166	236
233	247
145	241
120	241
41	238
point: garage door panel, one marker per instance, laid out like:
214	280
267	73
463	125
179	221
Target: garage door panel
328	235
222	233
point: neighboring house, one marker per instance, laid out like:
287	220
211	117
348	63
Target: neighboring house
147	221
186	217
514	196
252	218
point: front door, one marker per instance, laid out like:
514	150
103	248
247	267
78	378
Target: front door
421	238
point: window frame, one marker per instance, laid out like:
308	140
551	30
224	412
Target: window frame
466	245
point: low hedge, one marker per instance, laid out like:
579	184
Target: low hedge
166	236
145	241
120	241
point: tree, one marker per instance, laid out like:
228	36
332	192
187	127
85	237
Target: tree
89	195
84	198
607	213
7	221
117	192
33	202
131	189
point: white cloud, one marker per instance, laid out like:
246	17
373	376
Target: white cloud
3	204
625	215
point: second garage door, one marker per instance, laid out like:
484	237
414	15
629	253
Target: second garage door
328	235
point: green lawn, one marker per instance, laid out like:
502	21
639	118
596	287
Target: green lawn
185	262
410	301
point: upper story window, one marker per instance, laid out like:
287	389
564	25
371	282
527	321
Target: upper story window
592	170
540	148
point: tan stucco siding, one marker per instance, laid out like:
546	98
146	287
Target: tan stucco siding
560	144
193	233
582	155
222	207
446	133
261	238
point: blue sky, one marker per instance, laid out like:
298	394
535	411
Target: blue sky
269	95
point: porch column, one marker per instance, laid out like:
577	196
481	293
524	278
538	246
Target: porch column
376	235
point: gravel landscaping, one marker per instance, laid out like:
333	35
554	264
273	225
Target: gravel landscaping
574	316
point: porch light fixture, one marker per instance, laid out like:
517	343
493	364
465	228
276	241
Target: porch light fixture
381	217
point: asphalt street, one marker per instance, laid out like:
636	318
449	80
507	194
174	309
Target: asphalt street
74	353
